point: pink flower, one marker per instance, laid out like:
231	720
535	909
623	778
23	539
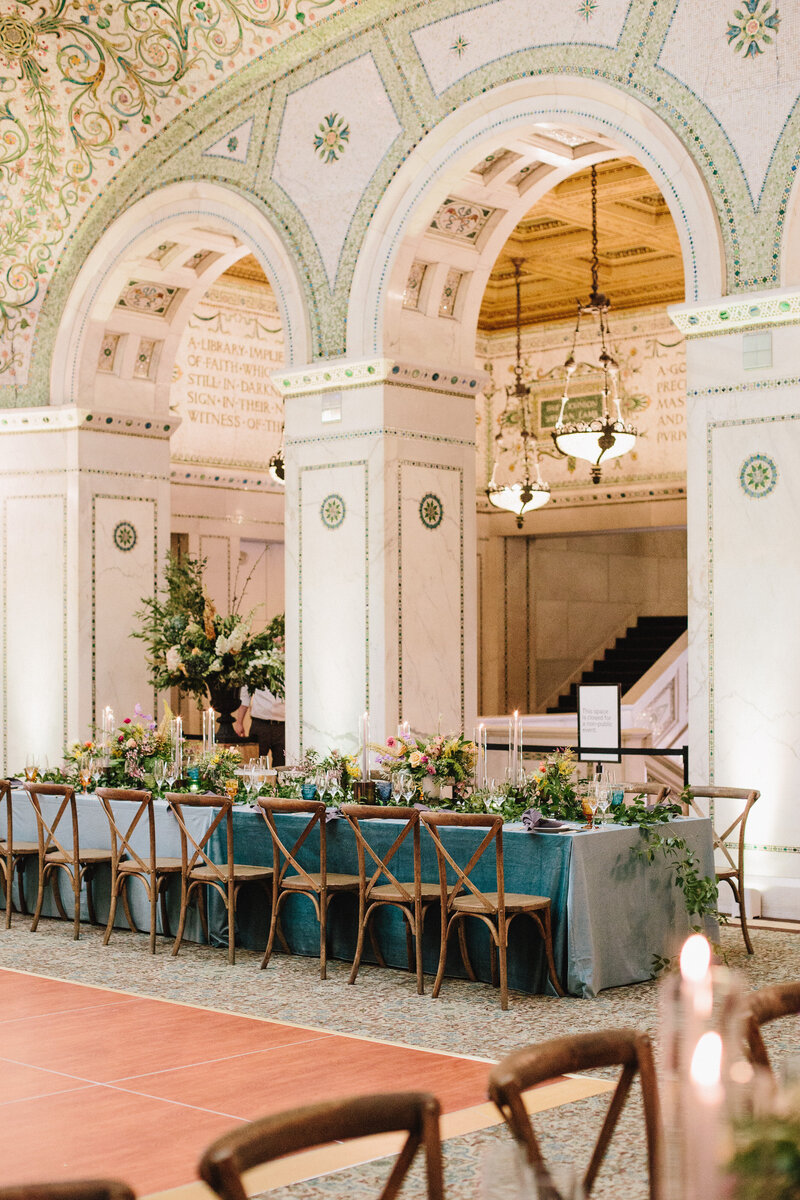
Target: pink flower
431	770
121	738
390	741
424	758
127	721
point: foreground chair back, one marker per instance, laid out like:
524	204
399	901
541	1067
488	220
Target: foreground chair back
13	854
412	897
414	1113
78	863
127	863
761	1007
582	1052
199	871
319	886
83	1189
733	872
496	909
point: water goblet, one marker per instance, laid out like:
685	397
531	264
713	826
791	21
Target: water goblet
409	789
31	768
398	787
160	769
604	794
85	773
590	801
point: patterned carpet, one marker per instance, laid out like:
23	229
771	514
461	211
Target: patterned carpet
466	1019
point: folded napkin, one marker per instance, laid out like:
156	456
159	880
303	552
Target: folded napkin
533	819
332	814
16	783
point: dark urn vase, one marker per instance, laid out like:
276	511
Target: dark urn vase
224	701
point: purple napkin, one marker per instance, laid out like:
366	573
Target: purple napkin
533	819
332	814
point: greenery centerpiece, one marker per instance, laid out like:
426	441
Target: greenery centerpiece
198	650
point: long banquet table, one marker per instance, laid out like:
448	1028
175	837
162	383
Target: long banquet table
612	910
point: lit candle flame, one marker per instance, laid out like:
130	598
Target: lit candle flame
695	958
706	1065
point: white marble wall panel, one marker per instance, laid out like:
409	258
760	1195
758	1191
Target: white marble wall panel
124	570
430	616
333	603
216	549
453	47
754	638
33	567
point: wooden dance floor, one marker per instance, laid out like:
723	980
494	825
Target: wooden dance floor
103	1083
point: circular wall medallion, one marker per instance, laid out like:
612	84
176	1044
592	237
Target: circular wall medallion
758	476
431	511
124	536
332	511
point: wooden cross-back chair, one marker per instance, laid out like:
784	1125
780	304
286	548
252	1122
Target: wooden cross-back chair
534	1065
761	1007
199	871
78	1189
496	909
656	793
78	863
13	855
414	1113
127	863
320	886
733	872
412	897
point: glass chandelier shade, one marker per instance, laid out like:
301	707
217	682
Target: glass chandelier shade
530	492
609	436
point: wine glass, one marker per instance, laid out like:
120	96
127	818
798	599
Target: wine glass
604	794
398	786
409	788
160	769
31	768
232	788
98	766
85	772
590	801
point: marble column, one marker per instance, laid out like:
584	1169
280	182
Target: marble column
743	417
380	550
84	523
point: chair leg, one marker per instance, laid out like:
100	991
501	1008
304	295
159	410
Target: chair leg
743	915
153	896
273	925
112	912
23	908
446	930
201	908
546	930
39	897
419	917
76	892
502	954
162	882
88	873
55	884
231	906
462	942
359	944
176	945
409	945
7	887
323	934
126	906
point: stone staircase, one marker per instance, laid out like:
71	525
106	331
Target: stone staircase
628	659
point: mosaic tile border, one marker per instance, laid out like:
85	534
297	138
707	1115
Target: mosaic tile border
755	385
410	434
731	314
56	420
331	376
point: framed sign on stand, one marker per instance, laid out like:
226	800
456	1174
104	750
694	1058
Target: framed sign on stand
599	722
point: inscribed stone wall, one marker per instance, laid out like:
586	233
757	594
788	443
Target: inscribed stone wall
230	413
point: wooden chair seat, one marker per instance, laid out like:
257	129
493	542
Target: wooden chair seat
515	902
77	862
335	882
463	899
319	886
413	900
86	854
171	865
199	871
241	871
389	893
20	848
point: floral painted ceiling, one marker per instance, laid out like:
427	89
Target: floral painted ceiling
83	85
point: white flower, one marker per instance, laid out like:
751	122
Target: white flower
174	660
131	743
223	644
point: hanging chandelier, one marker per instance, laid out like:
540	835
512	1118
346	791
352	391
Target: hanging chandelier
609	436
530	493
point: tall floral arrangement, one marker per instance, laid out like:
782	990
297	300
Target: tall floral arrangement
136	746
192	646
444	758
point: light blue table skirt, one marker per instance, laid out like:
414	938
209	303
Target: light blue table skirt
612	911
